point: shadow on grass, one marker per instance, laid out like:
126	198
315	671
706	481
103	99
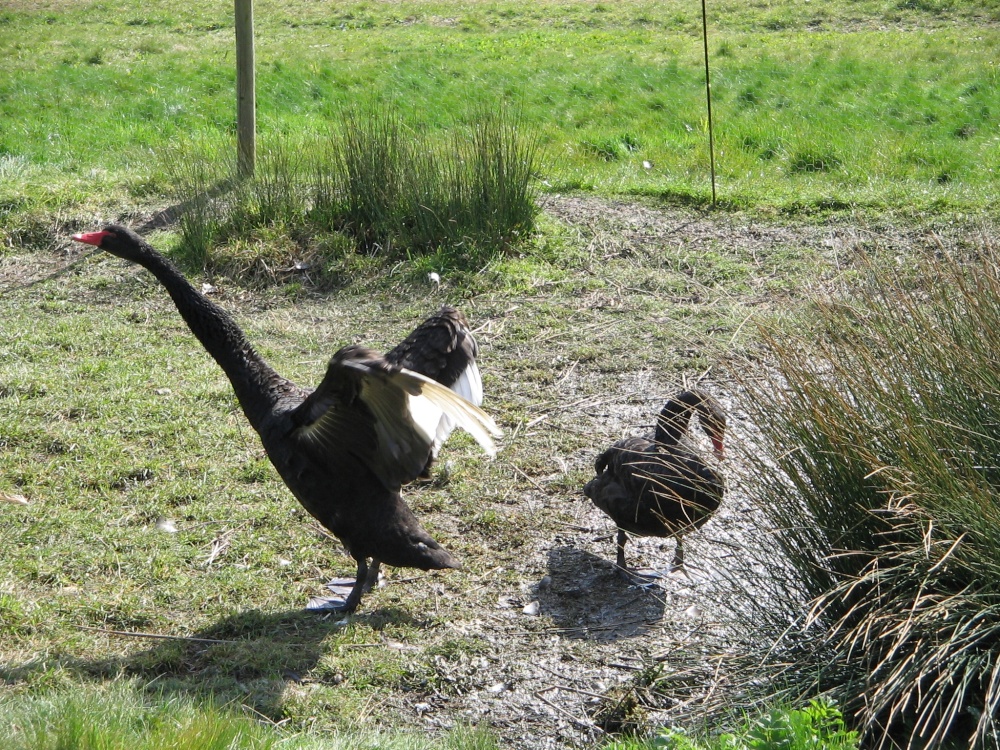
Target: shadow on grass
170	215
248	658
588	600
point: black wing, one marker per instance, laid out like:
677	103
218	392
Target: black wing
443	348
382	414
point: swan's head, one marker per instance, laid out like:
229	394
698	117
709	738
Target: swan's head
117	240
713	422
673	420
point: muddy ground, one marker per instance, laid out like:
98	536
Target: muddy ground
558	678
569	645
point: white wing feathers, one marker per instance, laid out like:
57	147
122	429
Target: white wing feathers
470	387
427	402
462	412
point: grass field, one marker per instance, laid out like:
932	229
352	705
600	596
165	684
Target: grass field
160	564
114	422
863	104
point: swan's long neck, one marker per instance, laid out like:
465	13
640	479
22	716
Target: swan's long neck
672	423
257	386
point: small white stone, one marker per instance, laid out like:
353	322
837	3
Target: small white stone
166	525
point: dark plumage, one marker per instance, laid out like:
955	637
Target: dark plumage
346	448
442	348
662	487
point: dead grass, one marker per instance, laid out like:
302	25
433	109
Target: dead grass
112	418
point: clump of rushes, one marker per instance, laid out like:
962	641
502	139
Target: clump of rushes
381	183
396	188
876	466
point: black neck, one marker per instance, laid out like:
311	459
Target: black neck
674	419
255	383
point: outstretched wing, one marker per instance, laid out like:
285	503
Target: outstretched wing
383	415
443	349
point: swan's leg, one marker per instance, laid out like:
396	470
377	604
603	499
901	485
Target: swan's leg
632	577
354	598
622	540
623	571
371	578
677	566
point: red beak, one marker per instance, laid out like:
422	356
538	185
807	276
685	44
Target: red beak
717	446
92	238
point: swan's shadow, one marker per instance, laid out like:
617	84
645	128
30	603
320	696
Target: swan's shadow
250	657
588	600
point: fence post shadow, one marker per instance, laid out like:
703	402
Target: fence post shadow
168	216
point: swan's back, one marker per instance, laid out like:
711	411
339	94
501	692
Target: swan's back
443	349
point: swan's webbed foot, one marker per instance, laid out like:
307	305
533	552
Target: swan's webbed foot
347	592
643	578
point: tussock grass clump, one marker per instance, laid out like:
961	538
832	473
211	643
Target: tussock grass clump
386	186
876	470
396	187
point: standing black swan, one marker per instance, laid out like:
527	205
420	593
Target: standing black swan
346	448
662	487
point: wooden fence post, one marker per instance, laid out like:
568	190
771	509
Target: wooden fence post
246	98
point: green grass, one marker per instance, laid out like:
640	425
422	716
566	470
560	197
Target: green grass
818	726
860	104
112	417
856	116
123	716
